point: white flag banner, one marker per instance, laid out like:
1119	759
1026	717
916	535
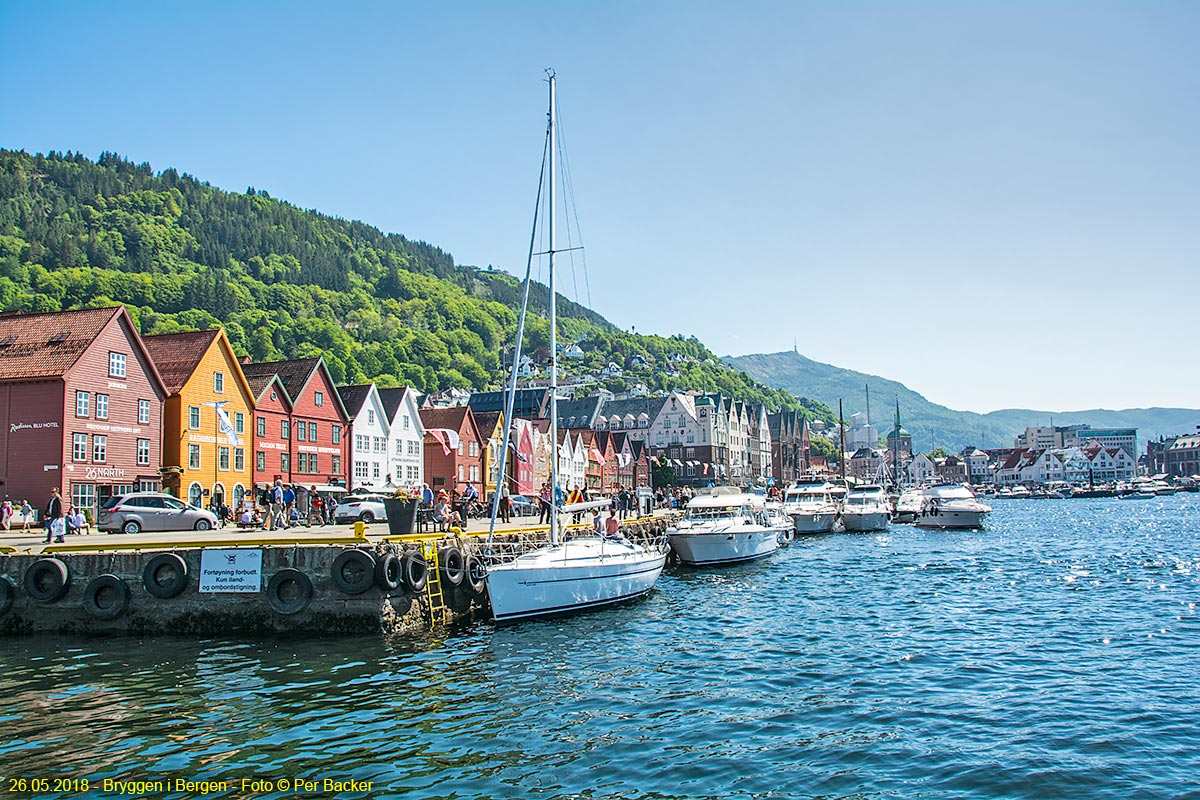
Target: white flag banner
223	420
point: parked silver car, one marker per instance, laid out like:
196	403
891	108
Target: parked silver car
522	506
152	511
367	507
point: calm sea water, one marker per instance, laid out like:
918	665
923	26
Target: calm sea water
1054	655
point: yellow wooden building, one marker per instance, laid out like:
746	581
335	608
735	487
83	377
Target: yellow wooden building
207	448
491	431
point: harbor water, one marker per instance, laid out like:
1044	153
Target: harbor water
1055	654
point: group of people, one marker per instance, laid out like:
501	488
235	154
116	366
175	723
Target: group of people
445	515
58	520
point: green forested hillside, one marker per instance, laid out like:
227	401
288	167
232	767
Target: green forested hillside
287	283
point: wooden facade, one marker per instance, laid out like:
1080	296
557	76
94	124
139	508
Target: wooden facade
80	407
204	456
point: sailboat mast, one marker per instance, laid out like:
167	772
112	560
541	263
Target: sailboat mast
553	331
841	442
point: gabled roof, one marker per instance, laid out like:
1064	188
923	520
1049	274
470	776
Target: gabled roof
177	355
452	418
392	397
294	375
584	410
48	345
650	406
353	397
486	421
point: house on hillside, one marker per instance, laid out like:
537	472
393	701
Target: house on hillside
369	427
406	435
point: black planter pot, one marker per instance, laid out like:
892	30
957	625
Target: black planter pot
401	516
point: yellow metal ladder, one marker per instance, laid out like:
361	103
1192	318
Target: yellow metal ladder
433	586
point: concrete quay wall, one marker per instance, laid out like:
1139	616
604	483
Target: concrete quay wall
89	609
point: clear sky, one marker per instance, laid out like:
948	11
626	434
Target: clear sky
996	203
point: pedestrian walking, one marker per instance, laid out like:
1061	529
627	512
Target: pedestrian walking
54	517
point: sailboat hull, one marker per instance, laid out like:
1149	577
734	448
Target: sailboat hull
573	576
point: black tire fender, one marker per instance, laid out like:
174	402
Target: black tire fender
289	591
387	572
47	580
106	597
476	579
165	575
7	593
353	571
452	565
415	571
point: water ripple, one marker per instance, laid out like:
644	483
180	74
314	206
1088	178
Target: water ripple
1052	655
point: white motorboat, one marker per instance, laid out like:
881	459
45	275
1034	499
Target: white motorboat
951	506
908	505
573	574
866	509
724	526
813	505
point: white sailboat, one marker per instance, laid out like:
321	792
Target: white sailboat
584	570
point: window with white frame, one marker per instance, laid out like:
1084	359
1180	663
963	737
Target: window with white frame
337	434
260	460
144	412
79	447
312	431
101	406
223	458
301	432
143	452
285	429
116	365
318	399
239	422
360	470
260	426
193	456
99	448
370	417
194	417
219	382
239	459
83	404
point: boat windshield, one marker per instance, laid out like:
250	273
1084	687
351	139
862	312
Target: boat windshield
717	512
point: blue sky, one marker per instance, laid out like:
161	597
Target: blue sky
997	204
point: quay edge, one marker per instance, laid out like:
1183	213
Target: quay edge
106	592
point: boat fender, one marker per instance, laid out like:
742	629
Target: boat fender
353	571
7	593
933	508
415	571
47	580
387	572
290	591
401	604
165	575
453	566
458	598
106	597
476	581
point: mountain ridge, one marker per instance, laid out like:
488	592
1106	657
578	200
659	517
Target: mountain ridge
933	424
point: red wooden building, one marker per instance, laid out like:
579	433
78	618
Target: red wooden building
448	465
301	430
80	407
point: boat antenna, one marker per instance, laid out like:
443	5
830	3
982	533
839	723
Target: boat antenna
512	384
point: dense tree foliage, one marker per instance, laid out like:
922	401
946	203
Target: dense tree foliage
287	282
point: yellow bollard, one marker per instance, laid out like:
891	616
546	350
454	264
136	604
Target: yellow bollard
360	529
